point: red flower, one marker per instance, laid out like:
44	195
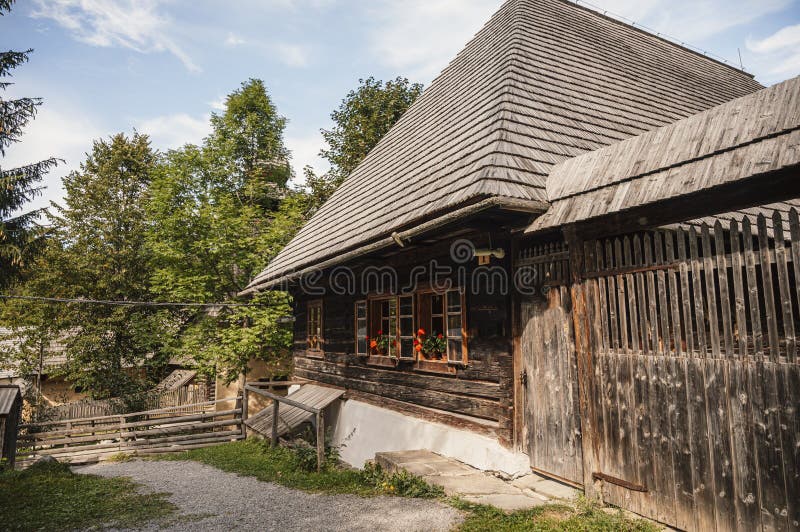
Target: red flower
440	336
380	333
373	344
418	348
421	332
366	338
416	342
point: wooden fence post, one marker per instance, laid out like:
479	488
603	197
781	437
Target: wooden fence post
320	441
245	401
275	409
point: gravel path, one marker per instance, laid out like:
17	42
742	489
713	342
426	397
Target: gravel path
214	500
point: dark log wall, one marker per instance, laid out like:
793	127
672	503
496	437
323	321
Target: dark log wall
482	389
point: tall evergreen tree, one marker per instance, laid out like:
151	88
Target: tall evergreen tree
17	185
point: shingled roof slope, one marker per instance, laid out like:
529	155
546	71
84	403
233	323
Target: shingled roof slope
749	136
543	81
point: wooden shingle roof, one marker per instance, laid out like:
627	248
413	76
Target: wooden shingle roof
543	81
749	136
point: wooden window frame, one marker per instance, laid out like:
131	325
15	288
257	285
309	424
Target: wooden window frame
315	352
356	319
447	365
373	358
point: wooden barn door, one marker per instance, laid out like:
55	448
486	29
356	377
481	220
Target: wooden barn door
551	425
696	374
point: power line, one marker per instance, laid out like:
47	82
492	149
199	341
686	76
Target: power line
128	303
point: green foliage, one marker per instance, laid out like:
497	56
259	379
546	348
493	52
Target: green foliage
362	119
218	214
51	497
96	249
586	516
294	469
19	234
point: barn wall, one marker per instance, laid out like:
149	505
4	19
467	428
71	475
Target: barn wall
481	390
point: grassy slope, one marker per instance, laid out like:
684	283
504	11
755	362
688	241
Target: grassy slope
51	497
294	469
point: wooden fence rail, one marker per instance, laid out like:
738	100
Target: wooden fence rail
185	395
276	404
164	430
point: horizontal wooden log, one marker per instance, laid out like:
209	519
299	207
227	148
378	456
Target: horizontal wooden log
471	406
175	429
110	418
485	389
280	399
181	419
134	444
210	442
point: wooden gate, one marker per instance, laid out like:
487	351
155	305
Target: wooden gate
551	424
696	376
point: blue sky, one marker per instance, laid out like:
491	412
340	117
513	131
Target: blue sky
162	66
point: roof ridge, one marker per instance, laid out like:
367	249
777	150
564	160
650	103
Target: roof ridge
647	31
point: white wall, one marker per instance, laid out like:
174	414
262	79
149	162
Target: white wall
365	429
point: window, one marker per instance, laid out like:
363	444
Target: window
383	327
406	331
387	329
314	327
361	328
455	328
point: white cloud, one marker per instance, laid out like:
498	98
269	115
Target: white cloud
292	55
305	152
778	54
234	40
175	130
64	133
419	37
134	24
218	104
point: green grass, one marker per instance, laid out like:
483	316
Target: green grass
51	497
296	468
585	516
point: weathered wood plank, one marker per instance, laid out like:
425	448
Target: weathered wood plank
711	294
783	285
697	295
686	298
737	270
752	289
724	292
765	256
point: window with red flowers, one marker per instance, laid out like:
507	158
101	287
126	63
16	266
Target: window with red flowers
426	327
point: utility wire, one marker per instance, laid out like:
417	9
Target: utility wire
128	303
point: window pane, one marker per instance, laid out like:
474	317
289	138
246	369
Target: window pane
437	326
406	306
362	345
454	350
453	301
407	347
454	326
437	304
406	327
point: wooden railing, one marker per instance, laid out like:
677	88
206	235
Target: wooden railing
276	404
183	396
164	430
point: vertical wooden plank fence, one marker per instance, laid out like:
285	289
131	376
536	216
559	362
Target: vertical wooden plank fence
693	343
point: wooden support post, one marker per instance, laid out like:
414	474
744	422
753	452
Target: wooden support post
320	441
245	400
275	409
583	351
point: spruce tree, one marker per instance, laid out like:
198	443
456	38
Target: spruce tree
17	185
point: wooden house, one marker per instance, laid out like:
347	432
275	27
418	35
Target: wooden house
488	282
10	415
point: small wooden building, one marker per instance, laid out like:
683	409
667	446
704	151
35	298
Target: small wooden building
10	414
495	280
